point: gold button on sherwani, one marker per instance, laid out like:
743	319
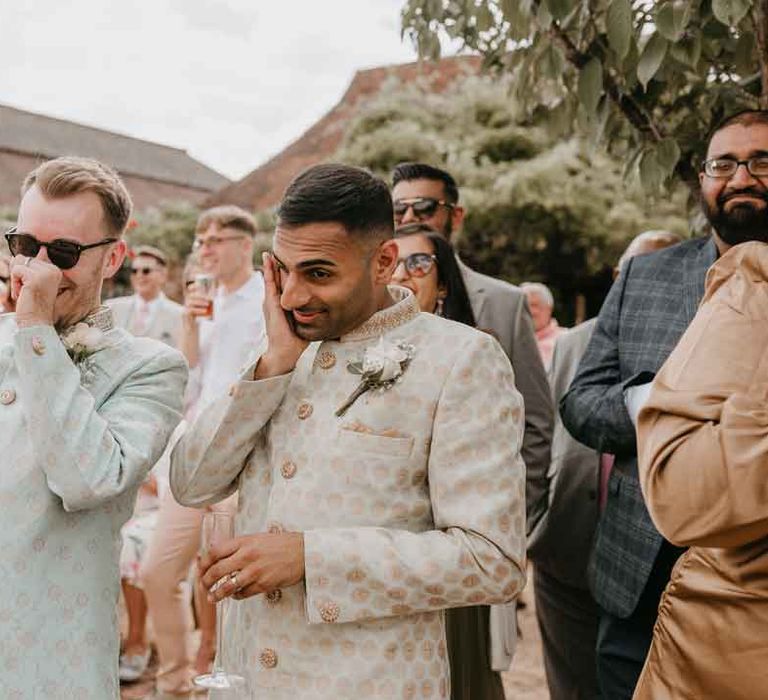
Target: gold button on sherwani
326	359
288	469
273	597
268	658
304	410
7	397
329	612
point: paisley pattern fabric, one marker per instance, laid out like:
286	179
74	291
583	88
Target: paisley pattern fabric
76	442
412	502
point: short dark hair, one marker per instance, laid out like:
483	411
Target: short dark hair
746	117
456	305
422	171
350	196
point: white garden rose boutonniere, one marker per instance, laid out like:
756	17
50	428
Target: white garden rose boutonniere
81	341
380	368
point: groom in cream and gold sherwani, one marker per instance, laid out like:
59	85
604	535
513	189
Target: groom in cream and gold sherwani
376	451
85	411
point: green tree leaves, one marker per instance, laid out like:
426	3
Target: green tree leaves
672	18
619	26
651	58
560	8
590	86
634	72
731	12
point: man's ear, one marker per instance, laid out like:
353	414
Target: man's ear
457	218
114	260
385	261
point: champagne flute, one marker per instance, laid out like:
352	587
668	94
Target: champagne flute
218	527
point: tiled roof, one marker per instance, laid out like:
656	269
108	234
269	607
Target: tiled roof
48	137
264	187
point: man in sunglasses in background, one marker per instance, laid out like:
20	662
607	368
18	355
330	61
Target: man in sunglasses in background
644	316
148	312
86	409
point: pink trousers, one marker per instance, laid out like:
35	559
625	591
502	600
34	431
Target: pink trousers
171	553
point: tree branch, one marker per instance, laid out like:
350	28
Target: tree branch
760	21
634	113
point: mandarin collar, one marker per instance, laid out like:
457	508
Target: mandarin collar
405	309
102	319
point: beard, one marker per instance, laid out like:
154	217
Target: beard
744	222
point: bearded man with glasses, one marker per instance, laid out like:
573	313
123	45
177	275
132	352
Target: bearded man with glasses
644	316
148	312
86	409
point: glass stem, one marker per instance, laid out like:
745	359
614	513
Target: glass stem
218	664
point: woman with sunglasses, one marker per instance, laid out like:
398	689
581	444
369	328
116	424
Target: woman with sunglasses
427	266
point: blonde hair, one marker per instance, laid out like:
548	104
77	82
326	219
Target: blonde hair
226	216
62	177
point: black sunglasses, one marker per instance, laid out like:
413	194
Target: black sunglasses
422	206
418	264
62	253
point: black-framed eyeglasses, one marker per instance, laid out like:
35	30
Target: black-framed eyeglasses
417	264
61	252
422	207
727	167
142	270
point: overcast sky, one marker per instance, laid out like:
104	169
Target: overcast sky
231	81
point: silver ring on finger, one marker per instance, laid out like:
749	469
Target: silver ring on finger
233	581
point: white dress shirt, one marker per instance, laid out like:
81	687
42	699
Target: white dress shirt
228	342
141	325
635	398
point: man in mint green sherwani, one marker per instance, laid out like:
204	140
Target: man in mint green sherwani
85	411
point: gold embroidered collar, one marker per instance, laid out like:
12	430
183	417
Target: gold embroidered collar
102	319
405	309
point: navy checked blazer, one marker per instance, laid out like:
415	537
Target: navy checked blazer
643	317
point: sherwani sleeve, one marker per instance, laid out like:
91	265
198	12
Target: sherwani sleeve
476	553
207	461
703	434
91	453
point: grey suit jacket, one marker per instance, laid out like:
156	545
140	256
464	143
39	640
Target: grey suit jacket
166	323
561	542
500	308
643	317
